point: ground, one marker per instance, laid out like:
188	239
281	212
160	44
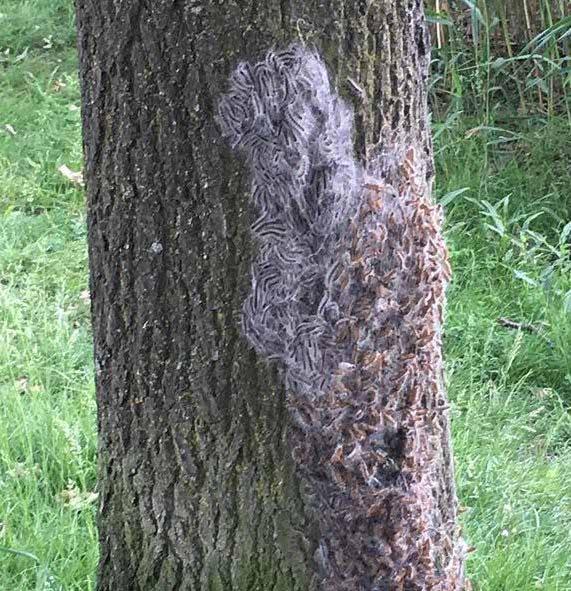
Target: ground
505	188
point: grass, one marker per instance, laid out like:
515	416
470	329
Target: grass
492	54
47	415
505	185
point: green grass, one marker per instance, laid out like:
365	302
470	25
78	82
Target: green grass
47	415
492	54
506	190
508	233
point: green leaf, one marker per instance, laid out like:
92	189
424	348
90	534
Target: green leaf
438	18
21	553
449	197
525	277
565	234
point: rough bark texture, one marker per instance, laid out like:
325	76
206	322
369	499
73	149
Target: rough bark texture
198	487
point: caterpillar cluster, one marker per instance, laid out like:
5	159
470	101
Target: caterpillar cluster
296	136
347	295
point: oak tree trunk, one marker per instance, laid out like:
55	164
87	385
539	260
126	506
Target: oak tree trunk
198	487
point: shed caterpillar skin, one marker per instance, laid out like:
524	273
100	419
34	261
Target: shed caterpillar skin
347	295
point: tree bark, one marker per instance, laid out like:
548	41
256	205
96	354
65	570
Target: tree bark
198	487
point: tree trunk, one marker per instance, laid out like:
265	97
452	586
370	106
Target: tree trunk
198	485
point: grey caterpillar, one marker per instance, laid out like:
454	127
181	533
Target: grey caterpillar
296	136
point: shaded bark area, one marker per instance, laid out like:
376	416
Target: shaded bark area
198	489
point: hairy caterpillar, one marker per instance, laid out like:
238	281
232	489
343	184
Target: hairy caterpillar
347	295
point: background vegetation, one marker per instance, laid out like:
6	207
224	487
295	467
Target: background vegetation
503	150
